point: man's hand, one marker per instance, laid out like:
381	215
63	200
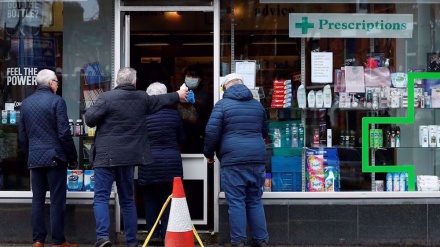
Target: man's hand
210	160
72	165
183	94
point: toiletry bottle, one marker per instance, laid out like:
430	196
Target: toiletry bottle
388	137
329	137
427	100
276	138
12	117
79	128
72	127
389	182
4	116
401	181
397	138
301	135
352	138
393	139
329	183
396	181
369	98
342	138
287	142
294	130
375	100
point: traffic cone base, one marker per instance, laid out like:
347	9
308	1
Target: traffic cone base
180	230
177	238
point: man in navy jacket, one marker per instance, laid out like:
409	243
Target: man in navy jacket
121	143
45	138
235	133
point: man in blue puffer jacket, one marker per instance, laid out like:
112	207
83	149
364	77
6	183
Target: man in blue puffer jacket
165	132
45	138
235	133
121	144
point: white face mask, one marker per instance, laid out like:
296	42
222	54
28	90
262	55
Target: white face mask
192	82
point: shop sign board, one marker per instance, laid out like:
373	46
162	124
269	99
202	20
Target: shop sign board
319	25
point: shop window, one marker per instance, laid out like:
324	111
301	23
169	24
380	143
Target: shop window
260	32
65	37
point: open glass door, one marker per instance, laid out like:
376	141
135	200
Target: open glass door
167	46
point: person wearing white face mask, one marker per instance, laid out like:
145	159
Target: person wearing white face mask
195	115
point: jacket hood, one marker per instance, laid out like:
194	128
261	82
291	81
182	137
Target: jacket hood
238	92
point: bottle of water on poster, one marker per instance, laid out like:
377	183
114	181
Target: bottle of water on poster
389	182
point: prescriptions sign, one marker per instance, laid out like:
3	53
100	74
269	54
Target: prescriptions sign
350	25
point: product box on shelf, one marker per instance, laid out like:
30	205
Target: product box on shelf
322	169
75	180
286	173
89	180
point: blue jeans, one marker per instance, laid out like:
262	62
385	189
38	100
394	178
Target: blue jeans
242	186
53	178
124	177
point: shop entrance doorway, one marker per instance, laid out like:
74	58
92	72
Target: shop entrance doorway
163	44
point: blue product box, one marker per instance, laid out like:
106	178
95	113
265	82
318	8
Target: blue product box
89	180
75	180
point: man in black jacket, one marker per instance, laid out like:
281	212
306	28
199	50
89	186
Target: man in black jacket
45	138
121	143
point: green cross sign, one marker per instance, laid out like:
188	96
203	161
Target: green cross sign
304	25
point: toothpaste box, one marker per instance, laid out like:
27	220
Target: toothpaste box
75	180
89	180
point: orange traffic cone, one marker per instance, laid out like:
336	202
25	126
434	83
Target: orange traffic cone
179	230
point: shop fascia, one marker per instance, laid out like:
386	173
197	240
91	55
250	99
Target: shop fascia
319	25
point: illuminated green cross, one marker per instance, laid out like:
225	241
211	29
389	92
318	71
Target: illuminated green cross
304	25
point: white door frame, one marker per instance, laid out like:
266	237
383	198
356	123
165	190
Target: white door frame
122	54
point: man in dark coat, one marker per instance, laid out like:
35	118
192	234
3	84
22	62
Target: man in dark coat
45	138
235	133
166	133
121	143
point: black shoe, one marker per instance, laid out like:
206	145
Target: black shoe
262	244
103	242
234	245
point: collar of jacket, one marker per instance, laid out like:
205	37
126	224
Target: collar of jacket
130	87
44	88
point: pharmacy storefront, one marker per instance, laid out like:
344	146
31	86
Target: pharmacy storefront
351	91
